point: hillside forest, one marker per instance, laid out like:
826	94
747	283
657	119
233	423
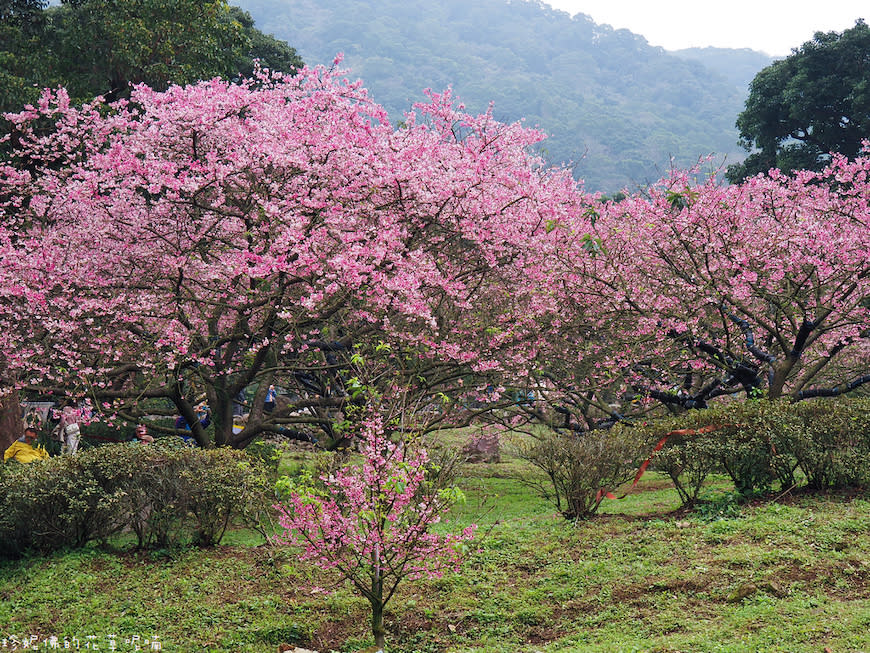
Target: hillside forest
616	107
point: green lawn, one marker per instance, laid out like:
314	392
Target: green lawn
639	577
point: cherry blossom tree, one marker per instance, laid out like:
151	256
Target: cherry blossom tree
695	291
373	523
192	243
761	286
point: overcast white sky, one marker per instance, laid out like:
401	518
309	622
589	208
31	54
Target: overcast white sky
771	26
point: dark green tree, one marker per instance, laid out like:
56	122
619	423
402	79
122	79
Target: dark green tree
106	45
272	53
812	103
25	64
101	47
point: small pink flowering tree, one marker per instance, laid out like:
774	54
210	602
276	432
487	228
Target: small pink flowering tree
372	523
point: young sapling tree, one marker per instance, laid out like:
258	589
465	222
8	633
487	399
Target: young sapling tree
373	522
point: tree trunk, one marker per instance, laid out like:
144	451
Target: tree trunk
378	623
221	400
11	426
222	420
780	375
377	600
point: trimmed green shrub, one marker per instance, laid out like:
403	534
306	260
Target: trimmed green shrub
749	441
217	485
687	458
56	503
754	443
577	470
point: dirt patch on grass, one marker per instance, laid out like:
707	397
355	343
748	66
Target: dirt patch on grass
844	495
543	634
408	628
575	608
333	634
847	580
638	594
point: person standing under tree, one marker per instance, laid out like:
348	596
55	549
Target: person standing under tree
271	399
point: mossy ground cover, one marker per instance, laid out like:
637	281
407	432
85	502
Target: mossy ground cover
789	575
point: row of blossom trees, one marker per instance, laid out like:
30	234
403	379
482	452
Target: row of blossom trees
192	243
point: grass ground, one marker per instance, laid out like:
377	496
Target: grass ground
792	575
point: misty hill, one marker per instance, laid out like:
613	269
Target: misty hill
612	103
738	66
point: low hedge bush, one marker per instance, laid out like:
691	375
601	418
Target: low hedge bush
687	458
165	493
762	443
832	448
